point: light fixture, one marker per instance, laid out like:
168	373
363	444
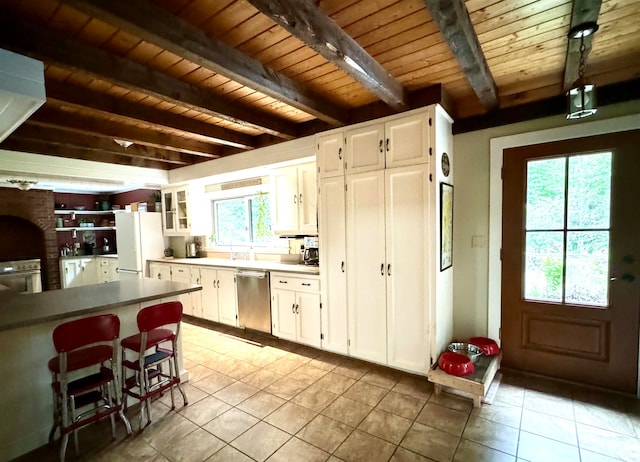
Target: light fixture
125	144
23	185
581	99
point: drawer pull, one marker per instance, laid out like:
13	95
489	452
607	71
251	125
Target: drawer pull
306	284
282	282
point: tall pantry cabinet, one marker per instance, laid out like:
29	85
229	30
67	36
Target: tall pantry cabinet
379	234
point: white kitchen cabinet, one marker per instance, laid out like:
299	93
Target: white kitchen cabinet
294	200
400	141
76	272
396	301
333	276
295	308
330	155
107	269
219	295
366	295
160	271
182	273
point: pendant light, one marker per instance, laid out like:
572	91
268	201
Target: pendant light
581	99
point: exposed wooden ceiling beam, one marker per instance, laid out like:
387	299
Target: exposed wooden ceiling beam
454	22
81	124
583	11
167	31
82	97
15	143
55	48
55	136
310	24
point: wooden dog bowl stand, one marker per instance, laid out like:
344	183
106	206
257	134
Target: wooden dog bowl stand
475	384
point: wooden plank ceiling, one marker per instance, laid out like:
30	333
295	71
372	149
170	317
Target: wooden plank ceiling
192	80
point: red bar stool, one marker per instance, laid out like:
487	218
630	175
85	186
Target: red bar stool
154	369
84	376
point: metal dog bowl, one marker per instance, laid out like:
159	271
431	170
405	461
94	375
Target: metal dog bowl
472	351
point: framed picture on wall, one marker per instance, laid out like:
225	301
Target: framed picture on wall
446	226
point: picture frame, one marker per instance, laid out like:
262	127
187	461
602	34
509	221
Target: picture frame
446	226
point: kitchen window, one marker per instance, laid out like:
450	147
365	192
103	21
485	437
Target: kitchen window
242	221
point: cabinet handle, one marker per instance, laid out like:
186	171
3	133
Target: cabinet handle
340	153
389	269
218	283
198	281
300	198
381	269
342	266
387	144
295	198
293	308
159	275
282	282
297	309
306	284
380	146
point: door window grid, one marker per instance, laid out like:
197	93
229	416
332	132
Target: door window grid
567	229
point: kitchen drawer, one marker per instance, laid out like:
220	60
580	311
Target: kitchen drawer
280	281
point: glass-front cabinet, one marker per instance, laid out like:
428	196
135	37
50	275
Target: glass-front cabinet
175	211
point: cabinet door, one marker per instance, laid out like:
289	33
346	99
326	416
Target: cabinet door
181	273
227	300
407	230
168	212
365	149
407	141
196	297
71	273
209	282
330	155
308	318
161	271
182	211
112	273
89	271
332	243
367	312
307	198
284	200
283	316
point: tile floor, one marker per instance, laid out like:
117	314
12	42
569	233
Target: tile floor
278	401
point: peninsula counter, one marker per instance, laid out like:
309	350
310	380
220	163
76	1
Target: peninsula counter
27	322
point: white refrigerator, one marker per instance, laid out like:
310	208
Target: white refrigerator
138	238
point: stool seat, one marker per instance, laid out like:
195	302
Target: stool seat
154	337
85	357
155	348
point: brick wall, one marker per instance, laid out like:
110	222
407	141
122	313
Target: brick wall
35	206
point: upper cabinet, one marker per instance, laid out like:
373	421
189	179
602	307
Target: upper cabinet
396	143
181	211
330	155
294	200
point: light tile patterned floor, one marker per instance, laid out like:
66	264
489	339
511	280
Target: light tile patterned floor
278	401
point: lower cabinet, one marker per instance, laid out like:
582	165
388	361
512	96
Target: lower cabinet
107	270
295	308
76	272
161	271
191	302
219	295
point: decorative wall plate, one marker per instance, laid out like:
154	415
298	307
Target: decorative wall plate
446	168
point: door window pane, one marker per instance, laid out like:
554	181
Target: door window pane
589	195
543	266
587	267
545	194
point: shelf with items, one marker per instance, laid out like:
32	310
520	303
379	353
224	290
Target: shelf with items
106	224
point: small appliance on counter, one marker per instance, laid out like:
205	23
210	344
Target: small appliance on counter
193	249
311	256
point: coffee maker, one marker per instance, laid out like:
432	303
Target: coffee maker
311	256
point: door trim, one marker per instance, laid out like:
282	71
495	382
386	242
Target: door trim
497	146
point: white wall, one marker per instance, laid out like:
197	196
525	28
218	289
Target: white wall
471	214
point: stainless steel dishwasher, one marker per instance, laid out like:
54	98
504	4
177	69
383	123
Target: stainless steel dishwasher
254	300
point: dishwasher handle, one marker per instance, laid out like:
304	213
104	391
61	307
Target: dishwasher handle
252	274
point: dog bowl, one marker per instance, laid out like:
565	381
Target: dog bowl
455	364
488	346
472	351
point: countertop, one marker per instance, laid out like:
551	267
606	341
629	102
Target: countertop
105	255
243	264
19	310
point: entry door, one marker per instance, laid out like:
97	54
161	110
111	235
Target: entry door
570	260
